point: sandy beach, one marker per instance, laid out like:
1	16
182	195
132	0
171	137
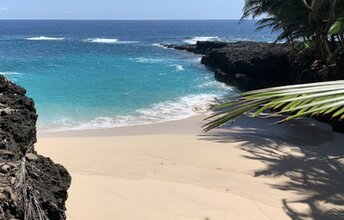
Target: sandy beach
173	171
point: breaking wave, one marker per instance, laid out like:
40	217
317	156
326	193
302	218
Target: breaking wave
182	108
108	41
195	39
44	38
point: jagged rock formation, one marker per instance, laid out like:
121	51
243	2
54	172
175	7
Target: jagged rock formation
255	65
245	65
249	65
31	186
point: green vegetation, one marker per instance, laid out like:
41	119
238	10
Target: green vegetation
315	24
296	100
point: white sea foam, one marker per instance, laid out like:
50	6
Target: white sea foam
185	107
9	73
43	38
198	59
182	108
129	42
147	60
195	39
215	84
108	41
216	38
101	40
178	67
158	45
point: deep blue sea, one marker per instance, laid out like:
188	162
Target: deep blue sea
102	74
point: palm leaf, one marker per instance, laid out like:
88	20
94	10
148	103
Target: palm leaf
337	27
324	98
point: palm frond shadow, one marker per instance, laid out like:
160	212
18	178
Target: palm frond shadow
316	171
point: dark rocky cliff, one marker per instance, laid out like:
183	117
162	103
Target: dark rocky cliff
249	65
245	65
31	186
256	65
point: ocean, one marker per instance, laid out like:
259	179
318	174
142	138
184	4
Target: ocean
103	74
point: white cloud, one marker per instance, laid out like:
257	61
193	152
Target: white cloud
3	9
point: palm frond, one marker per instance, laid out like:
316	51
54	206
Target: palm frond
324	98
337	27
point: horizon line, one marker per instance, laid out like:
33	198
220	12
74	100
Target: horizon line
20	19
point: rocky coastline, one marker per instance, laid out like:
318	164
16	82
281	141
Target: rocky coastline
31	186
257	65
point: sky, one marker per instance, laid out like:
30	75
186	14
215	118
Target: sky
121	9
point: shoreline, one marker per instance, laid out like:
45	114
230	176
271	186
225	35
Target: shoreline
174	171
166	127
184	107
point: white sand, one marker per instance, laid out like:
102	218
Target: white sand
172	170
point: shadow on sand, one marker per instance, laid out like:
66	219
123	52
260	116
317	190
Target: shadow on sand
314	165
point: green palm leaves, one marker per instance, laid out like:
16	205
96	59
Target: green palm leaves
338	27
319	24
325	98
302	20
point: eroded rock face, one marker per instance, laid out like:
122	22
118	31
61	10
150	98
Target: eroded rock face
245	65
27	180
249	65
17	119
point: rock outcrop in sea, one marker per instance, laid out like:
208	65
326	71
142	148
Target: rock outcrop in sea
245	65
256	65
32	187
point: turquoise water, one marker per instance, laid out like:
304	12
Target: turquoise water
101	74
